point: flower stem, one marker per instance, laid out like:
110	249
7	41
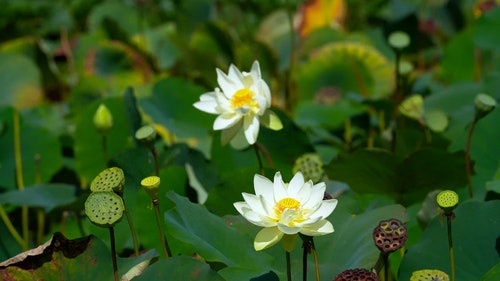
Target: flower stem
113	252
163	239
11	228
261	167
450	246
288	267
316	262
467	157
304	261
19	178
155	156
104	149
39	212
132	230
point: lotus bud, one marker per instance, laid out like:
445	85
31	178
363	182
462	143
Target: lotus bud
103	119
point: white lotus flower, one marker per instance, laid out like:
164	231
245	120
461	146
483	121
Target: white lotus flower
286	209
242	102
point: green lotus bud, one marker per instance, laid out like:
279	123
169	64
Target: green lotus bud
447	200
484	105
103	119
111	179
151	185
104	209
146	134
399	40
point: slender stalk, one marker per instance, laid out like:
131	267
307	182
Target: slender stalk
39	212
288	266
104	149
386	267
261	167
450	246
113	252
19	178
304	261
132	230
12	229
467	157
155	156
316	261
163	239
290	97
266	154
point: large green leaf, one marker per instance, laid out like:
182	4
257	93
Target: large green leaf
408	179
215	241
179	268
171	105
475	236
47	196
486	30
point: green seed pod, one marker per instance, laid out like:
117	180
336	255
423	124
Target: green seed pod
151	185
399	40
310	165
146	134
111	179
447	200
484	105
103	119
429	275
104	208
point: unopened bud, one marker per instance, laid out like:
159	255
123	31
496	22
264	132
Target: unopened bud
103	120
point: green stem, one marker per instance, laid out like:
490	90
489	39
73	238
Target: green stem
290	97
261	167
468	171
19	178
386	267
305	252
11	228
113	252
288	266
104	150
132	231
157	164
40	214
316	261
450	246
163	239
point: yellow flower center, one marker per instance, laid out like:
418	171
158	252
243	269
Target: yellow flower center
286	203
242	97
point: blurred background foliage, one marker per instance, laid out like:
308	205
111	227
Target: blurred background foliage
334	85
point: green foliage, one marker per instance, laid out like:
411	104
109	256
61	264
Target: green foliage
333	86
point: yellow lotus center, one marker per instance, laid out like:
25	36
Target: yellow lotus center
286	203
242	97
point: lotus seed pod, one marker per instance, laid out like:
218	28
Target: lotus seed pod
310	165
111	179
447	200
429	275
399	40
405	67
146	134
103	120
151	185
104	208
357	274
390	235
484	105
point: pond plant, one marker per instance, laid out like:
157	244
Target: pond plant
250	140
